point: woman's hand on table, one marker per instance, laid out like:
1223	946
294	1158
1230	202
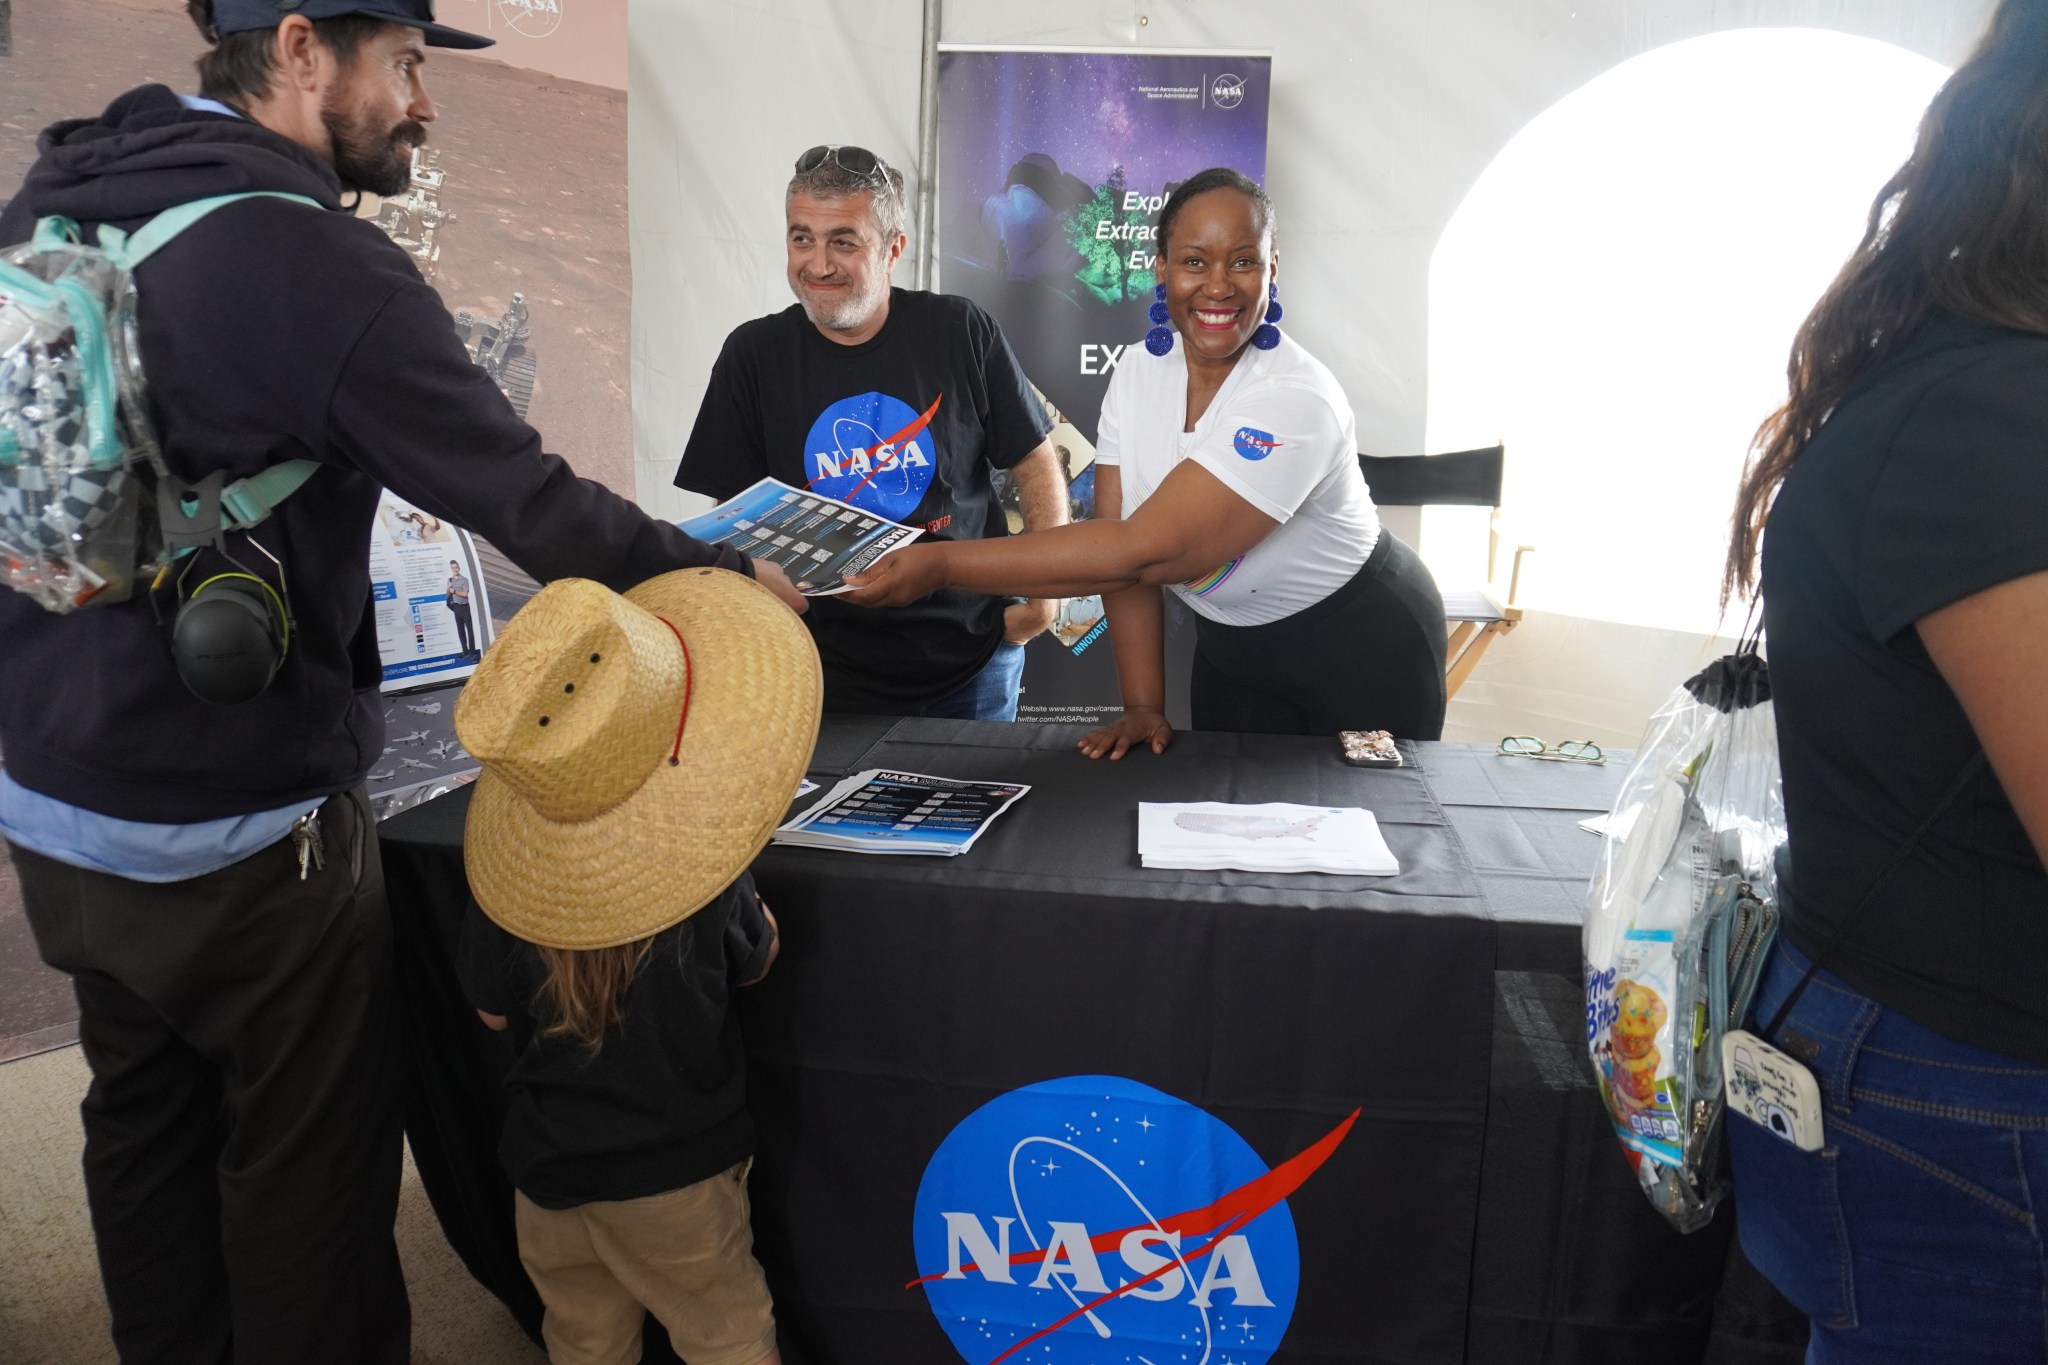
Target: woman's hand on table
1138	725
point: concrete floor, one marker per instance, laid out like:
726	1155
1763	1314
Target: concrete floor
51	1309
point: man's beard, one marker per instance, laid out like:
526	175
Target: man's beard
381	164
851	310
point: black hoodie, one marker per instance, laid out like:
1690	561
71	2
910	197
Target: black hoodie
271	331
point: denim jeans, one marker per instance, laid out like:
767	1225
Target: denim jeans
1915	1232
989	695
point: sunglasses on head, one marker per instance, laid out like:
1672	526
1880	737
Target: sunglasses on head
854	160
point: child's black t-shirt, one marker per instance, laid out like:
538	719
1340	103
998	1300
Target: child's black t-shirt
663	1103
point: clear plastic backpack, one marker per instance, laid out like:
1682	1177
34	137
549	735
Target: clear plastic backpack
1680	914
80	470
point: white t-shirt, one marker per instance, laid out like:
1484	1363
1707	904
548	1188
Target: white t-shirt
1280	435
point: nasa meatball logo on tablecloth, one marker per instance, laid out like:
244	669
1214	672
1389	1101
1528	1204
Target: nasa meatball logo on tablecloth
1093	1219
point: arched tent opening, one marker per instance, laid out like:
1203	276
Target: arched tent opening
1615	298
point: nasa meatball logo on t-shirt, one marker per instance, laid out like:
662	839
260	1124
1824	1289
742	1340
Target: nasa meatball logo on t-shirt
1094	1213
1252	443
874	451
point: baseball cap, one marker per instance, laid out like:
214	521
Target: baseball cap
242	16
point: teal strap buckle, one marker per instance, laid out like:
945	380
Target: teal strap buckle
54	232
246	502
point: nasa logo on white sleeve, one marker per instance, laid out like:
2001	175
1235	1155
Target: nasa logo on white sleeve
1252	443
1094	1210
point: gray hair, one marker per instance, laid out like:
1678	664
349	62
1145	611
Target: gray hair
884	188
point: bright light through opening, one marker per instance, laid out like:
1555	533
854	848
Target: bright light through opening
1617	295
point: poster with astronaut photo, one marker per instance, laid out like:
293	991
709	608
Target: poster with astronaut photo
431	601
1053	165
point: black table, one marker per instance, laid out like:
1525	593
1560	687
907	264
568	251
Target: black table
1417	1039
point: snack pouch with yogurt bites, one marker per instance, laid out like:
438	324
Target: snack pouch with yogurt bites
1678	916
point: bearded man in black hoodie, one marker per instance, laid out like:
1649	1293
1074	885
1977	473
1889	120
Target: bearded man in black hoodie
242	1129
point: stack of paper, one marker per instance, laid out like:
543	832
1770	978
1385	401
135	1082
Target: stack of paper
1275	837
879	811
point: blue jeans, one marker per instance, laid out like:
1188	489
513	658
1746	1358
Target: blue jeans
989	695
1916	1232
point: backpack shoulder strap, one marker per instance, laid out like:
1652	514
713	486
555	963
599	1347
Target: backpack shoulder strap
246	502
129	250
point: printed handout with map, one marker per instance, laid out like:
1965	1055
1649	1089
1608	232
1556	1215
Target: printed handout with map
1275	837
817	540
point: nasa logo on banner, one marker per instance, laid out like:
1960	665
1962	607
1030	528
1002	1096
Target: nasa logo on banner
1253	444
532	18
1094	1213
1227	92
873	451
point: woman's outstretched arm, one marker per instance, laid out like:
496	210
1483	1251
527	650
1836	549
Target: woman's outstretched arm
1191	525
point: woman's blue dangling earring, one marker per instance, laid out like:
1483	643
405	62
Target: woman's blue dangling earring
1160	339
1267	336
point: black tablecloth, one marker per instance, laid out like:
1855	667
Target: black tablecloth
1476	1209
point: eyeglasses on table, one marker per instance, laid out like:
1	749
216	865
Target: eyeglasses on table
1569	751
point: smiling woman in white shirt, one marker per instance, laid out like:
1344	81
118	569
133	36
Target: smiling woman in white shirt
1227	473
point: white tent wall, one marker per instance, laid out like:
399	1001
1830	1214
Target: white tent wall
1384	114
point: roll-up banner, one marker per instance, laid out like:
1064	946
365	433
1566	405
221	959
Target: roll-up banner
1053	165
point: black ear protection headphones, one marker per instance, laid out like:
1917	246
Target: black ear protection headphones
232	630
230	636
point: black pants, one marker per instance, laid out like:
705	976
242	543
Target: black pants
1370	656
242	1126
464	631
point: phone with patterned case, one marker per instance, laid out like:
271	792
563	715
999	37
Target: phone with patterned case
1771	1089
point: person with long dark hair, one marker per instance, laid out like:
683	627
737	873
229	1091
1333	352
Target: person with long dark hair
1227	473
1904	579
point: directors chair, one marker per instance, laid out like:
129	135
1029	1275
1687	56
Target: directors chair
1465	478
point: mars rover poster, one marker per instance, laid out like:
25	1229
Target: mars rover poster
516	211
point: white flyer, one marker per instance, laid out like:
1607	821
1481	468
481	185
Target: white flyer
433	611
1274	837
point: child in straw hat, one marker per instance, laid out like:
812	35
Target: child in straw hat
637	753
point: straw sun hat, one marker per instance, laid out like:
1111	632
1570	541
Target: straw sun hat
637	751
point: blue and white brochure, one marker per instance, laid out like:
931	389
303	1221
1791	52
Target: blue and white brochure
817	540
879	811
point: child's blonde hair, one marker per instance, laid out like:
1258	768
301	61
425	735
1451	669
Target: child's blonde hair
584	993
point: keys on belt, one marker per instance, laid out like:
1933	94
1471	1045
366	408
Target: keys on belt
305	837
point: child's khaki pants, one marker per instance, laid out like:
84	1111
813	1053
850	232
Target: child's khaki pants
686	1255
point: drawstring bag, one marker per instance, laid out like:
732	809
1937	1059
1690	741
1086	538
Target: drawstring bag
1681	911
80	472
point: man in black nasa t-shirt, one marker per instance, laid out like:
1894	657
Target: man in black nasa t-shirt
898	402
